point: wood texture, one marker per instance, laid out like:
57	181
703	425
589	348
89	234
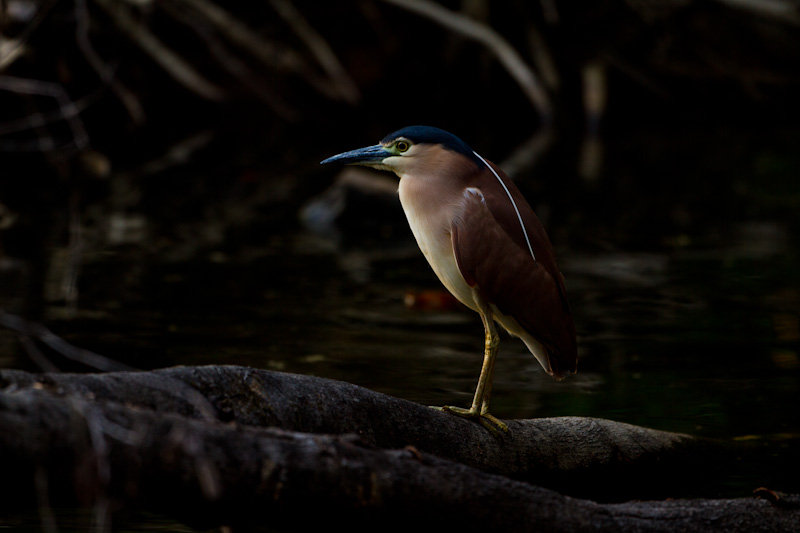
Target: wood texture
233	445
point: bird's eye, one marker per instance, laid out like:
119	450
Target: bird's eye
402	146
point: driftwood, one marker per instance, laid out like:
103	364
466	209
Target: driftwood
231	445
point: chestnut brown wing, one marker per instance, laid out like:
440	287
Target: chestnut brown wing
507	276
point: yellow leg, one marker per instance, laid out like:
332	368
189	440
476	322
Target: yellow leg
492	343
480	402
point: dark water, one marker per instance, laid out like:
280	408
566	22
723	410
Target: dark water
681	261
698	341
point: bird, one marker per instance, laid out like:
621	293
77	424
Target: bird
485	244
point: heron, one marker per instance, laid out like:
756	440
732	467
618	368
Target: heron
485	244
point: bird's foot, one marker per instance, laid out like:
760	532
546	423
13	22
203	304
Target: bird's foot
490	422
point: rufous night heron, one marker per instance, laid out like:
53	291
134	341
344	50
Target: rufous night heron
484	243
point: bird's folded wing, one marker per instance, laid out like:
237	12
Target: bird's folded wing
507	276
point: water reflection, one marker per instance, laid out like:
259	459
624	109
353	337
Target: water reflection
704	342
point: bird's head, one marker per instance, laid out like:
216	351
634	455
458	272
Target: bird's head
412	151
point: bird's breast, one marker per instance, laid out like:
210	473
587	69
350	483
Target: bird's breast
429	215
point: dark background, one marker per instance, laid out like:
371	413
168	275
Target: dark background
168	223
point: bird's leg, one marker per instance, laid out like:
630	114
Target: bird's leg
492	343
480	402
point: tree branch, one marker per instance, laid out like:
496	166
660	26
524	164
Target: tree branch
500	47
574	455
169	61
166	450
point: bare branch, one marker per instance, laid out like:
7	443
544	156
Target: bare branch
129	101
327	59
505	53
785	11
271	54
68	109
528	153
172	63
37	120
36	354
59	345
12	48
231	62
10	51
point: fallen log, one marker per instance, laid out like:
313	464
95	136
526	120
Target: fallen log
238	446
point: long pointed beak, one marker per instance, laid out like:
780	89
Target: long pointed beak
371	155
